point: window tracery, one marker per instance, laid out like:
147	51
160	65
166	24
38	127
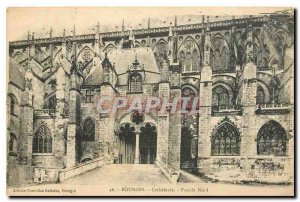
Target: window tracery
271	139
226	140
42	141
189	56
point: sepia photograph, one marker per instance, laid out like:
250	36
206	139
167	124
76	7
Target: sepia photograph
150	101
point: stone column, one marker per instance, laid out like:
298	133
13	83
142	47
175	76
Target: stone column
137	149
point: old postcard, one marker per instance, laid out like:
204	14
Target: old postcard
150	101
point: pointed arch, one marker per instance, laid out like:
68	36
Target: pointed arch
272	139
137	44
160	41
218	35
225	140
193	88
109	47
191	39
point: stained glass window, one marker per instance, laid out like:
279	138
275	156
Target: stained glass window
271	139
226	140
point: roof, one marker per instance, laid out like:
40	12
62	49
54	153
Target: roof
15	75
95	75
122	60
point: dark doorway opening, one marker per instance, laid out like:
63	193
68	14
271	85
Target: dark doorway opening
148	144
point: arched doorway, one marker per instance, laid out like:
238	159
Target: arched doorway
127	144
148	144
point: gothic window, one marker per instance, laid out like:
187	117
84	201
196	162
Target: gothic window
12	104
220	96
12	143
260	97
135	83
219	54
89	96
271	139
88	130
189	56
226	140
42	141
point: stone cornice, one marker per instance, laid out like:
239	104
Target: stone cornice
140	32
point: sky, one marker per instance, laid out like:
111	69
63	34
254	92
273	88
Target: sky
40	20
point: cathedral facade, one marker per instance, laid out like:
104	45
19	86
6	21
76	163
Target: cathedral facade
240	70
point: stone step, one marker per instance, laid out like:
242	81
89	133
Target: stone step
188	177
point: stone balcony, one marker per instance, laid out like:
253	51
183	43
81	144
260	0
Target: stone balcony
221	110
48	113
273	108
